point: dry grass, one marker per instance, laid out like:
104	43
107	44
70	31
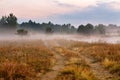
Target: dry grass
66	53
76	70
107	54
29	59
24	59
13	70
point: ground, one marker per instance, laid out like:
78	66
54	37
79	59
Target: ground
58	59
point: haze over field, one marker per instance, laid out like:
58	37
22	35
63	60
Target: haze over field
75	37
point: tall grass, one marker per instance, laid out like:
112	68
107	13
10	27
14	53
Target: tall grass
107	54
24	59
76	68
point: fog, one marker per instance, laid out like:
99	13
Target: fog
74	37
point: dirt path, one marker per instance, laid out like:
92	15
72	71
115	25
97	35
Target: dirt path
97	68
58	66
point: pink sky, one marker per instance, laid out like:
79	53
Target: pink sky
45	8
63	11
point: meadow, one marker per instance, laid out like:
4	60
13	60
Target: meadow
59	59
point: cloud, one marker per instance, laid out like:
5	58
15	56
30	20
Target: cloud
115	5
83	4
100	14
63	4
43	8
79	3
32	8
46	8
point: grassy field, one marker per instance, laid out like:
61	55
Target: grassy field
24	60
107	55
59	60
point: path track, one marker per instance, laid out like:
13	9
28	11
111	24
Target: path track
59	64
97	69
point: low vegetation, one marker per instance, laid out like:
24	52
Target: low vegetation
30	60
24	60
76	68
22	32
107	54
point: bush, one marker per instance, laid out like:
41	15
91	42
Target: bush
22	32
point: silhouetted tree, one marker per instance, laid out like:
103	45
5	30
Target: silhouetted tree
11	20
45	27
81	29
3	21
100	29
8	24
89	28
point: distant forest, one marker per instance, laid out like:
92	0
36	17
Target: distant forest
10	22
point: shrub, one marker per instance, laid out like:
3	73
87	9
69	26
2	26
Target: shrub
13	70
22	32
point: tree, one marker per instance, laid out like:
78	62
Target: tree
11	20
72	29
89	28
81	29
100	29
30	22
3	20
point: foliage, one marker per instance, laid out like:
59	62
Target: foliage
100	29
46	27
88	29
49	30
10	20
22	32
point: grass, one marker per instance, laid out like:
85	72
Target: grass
107	54
13	70
76	68
27	59
24	60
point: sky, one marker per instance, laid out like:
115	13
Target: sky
75	12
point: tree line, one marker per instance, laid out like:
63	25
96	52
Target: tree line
90	29
10	22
